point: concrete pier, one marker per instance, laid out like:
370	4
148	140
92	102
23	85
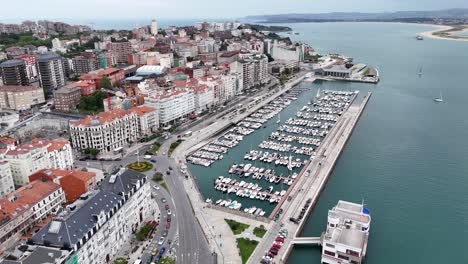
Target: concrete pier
309	185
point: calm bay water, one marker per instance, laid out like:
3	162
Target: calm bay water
408	156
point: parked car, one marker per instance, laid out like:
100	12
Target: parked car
168	172
154	251
161	241
169	212
167	207
156	187
163	200
168	225
164	234
162	250
170	168
168	218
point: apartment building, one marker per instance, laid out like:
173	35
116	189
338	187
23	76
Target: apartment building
6	178
121	51
254	70
26	159
113	74
51	72
26	207
95	230
113	129
20	97
172	104
203	97
67	98
13	72
82	64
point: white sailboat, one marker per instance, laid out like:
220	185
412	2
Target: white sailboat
439	99
420	72
279	119
318	94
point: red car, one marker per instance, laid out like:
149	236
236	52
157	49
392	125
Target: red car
168	225
277	246
279	239
167	207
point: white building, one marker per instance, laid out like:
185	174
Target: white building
6	179
253	68
154	27
230	86
293	52
57	45
97	229
20	97
203	97
172	104
113	129
345	240
26	159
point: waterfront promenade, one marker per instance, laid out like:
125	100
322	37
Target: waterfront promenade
310	184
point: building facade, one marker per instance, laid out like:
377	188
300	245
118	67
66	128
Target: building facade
51	72
121	51
6	178
172	104
113	129
13	72
20	97
26	207
67	98
97	229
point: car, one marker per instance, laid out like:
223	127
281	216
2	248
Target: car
162	250
277	246
169	242
164	153
279	239
169	212
167	207
280	211
156	187
170	168
164	234
168	172
154	251
168	225
163	200
168	218
153	160
161	241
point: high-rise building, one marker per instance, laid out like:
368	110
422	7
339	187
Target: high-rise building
254	70
82	64
51	72
14	72
121	51
154	27
6	178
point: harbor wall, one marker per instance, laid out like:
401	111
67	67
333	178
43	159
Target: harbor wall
318	191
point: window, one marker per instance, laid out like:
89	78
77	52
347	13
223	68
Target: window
326	252
343	257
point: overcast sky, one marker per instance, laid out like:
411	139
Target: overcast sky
179	9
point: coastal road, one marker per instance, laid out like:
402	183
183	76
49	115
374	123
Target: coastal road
192	244
159	193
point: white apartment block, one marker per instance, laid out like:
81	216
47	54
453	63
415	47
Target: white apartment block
253	68
6	178
203	97
287	53
230	86
20	97
97	229
26	159
110	130
172	104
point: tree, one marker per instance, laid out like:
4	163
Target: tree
91	151
105	83
167	260
120	261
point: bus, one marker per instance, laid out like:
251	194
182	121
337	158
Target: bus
188	134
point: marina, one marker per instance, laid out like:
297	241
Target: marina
282	148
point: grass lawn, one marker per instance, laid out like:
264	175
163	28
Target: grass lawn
246	247
236	227
259	231
173	146
140	167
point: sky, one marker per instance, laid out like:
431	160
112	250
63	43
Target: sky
183	9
